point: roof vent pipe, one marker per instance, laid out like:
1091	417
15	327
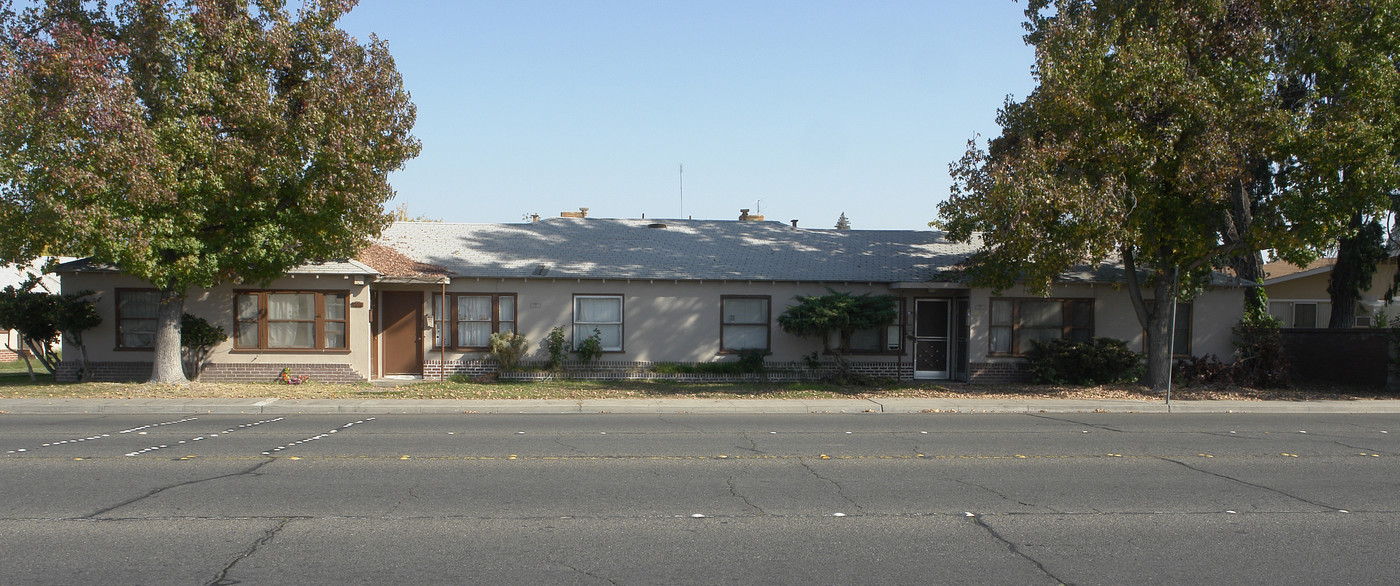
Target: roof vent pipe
794	223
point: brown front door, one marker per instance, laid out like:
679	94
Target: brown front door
401	332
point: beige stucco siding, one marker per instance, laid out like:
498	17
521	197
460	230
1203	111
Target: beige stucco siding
1214	312
1312	289
663	320
216	306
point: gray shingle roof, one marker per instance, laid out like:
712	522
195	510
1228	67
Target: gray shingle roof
335	267
676	250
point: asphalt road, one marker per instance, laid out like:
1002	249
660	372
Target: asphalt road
699	499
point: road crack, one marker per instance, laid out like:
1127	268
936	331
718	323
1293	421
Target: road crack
734	492
1064	420
1249	484
1014	549
589	574
221	578
250	471
753	446
840	490
1372	450
1000	494
560	440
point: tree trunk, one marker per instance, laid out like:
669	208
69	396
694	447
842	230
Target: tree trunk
1157	323
167	368
1159	332
1358	256
1249	267
27	364
86	373
1246	260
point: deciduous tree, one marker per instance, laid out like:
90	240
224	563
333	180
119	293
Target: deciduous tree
195	142
1339	64
1147	120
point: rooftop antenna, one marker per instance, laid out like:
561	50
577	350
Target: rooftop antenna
758	205
682	178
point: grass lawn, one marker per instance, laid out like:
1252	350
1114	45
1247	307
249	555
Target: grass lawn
15	384
16	366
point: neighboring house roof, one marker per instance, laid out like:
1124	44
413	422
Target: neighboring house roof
16	275
1280	271
577	248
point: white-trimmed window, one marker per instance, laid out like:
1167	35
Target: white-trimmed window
744	323
471	318
290	320
600	314
136	318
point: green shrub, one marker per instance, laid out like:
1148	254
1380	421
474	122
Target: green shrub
591	349
558	345
1093	362
1203	370
669	368
751	361
509	348
1260	360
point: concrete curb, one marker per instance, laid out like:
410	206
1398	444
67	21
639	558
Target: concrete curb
655	406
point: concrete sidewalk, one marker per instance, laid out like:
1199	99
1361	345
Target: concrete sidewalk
894	405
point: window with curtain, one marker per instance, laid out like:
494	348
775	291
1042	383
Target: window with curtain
1015	324
471	318
136	318
601	314
744	323
291	320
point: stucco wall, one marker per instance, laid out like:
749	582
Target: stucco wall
1214	312
1313	289
663	320
216	306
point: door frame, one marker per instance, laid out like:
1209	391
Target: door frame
386	349
947	338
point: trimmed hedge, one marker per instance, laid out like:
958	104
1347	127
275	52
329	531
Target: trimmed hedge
1076	362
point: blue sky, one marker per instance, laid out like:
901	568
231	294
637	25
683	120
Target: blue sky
805	109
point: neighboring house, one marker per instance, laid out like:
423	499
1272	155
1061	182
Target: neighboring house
424	300
1298	295
15	276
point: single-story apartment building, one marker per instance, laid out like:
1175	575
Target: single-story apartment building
425	298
